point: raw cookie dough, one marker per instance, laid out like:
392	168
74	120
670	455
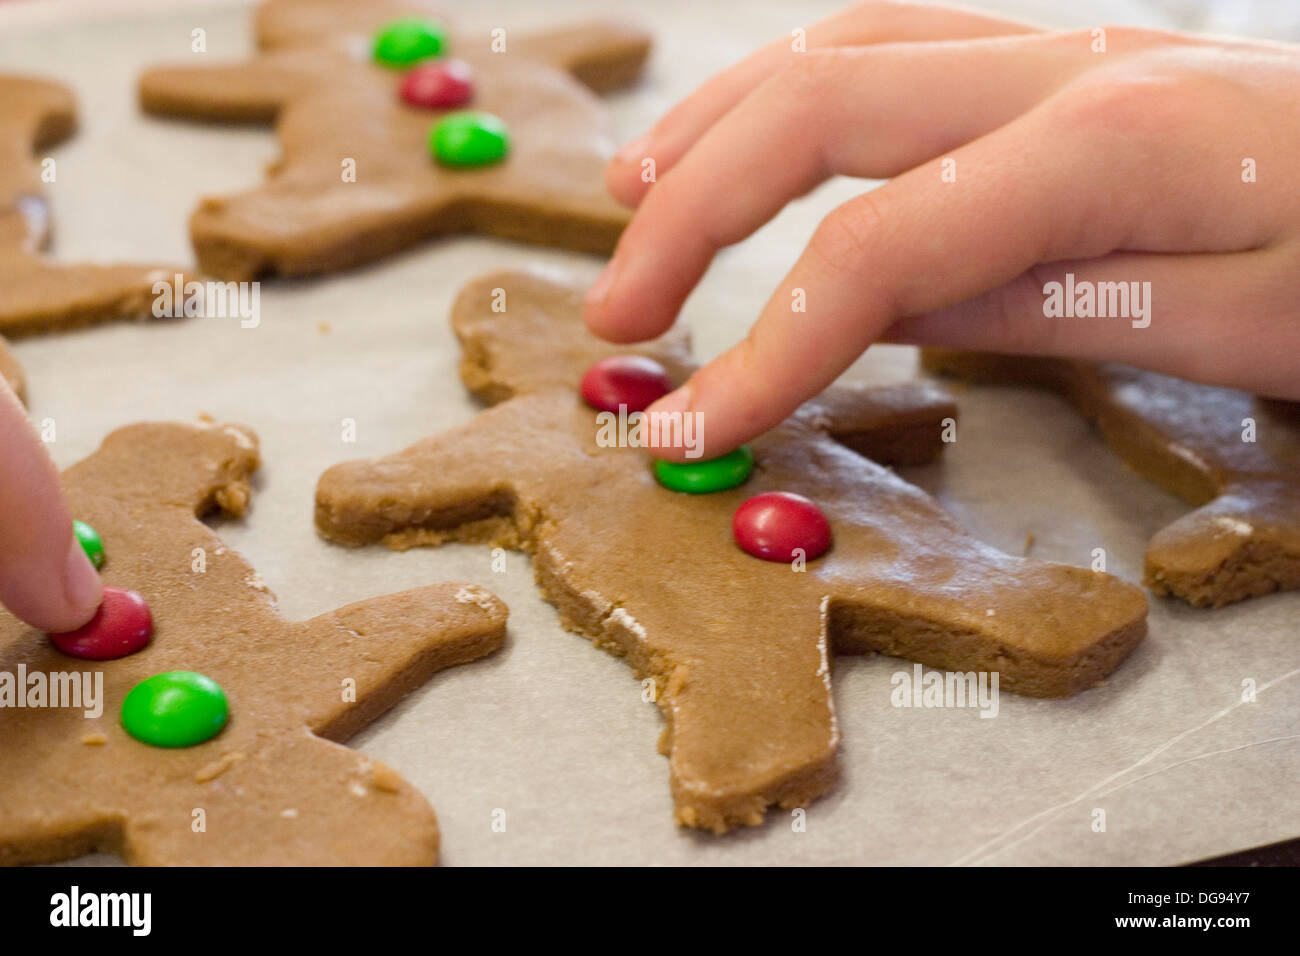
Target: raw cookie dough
331	104
271	787
1244	538
35	294
738	647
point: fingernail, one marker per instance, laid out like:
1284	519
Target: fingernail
634	151
676	402
81	584
600	288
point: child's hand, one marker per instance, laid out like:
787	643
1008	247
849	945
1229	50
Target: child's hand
1017	156
45	577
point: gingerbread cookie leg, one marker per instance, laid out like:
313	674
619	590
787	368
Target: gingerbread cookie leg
365	172
1236	456
737	647
421	632
261	787
37	295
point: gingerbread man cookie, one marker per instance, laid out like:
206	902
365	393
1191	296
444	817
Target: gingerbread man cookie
360	95
738	648
35	294
1234	456
271	787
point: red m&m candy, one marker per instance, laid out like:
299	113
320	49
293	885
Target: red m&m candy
439	85
631	380
121	626
772	525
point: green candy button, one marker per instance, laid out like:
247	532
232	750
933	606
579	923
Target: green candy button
404	42
90	542
175	709
703	477
469	138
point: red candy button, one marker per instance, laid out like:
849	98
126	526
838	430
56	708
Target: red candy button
121	626
631	380
772	525
439	85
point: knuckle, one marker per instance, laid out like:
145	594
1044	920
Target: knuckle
805	78
844	240
1120	38
1018	323
1125	102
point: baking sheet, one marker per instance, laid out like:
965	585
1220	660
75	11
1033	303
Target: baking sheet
551	730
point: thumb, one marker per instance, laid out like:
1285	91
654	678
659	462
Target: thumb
45	577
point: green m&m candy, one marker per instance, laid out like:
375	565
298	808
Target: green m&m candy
90	542
702	477
402	43
175	709
469	138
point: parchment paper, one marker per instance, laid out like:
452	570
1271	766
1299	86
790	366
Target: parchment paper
551	730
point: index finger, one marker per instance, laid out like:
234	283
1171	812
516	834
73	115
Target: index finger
45	577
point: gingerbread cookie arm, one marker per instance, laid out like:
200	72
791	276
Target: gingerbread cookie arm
359	660
250	91
401	502
193	469
893	425
601	55
36	295
40	296
34	115
11	372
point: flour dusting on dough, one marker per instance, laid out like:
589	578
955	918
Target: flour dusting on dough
1235	525
473	594
1186	454
619	615
241	439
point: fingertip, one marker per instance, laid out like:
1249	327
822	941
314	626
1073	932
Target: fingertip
55	599
82	587
623	181
606	317
623	174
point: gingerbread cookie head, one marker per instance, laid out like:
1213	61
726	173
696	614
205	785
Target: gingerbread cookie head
738	647
36	295
211	739
394	128
1236	457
